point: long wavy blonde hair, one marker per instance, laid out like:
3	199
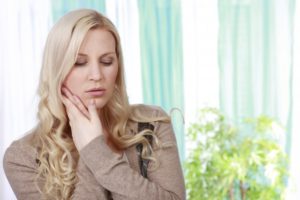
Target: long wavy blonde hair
57	155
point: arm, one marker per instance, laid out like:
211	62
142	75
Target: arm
87	187
113	172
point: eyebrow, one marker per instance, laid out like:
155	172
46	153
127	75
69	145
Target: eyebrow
108	53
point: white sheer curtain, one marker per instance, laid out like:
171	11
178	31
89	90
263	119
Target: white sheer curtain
200	56
293	192
124	14
24	25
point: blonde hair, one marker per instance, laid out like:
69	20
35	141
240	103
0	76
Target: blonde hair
57	155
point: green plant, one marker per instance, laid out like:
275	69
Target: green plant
225	162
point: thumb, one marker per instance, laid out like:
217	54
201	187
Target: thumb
93	110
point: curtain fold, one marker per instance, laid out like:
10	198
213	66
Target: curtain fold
256	63
255	59
124	14
161	58
200	56
293	191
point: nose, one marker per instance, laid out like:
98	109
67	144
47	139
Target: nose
95	73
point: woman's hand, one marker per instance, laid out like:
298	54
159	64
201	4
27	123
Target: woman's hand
84	122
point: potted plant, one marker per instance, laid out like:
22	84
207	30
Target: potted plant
226	162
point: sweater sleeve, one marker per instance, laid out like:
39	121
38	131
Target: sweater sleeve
113	172
20	168
87	187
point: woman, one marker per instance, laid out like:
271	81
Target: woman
89	142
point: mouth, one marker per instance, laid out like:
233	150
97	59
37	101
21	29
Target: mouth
96	92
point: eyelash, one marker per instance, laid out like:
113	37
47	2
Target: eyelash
79	64
104	63
107	63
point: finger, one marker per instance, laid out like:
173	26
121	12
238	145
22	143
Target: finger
76	101
67	103
72	111
63	100
68	94
93	110
81	107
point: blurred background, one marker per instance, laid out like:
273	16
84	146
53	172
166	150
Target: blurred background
239	56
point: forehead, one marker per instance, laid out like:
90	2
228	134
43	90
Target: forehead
98	40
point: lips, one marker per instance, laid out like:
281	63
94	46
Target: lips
96	92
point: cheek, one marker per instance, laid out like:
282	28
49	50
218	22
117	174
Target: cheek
113	76
73	82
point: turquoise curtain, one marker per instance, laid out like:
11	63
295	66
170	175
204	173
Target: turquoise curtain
61	7
161	58
255	48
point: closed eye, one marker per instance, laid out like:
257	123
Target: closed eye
107	63
80	63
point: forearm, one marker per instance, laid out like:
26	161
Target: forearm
87	187
112	171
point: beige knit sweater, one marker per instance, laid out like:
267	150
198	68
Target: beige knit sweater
101	170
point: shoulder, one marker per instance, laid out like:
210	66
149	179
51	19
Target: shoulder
20	152
148	110
157	117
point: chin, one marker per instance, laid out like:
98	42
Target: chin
100	103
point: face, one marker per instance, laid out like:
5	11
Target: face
93	76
